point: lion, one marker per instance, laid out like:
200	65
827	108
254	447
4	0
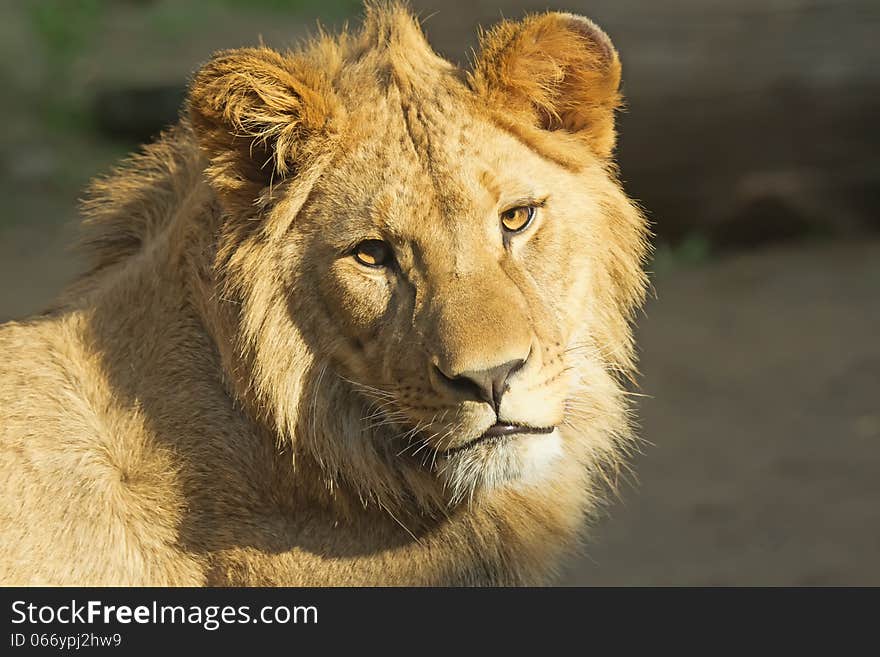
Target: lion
361	317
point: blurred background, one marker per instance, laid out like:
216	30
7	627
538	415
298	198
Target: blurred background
751	136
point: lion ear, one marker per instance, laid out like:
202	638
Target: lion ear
259	117
557	71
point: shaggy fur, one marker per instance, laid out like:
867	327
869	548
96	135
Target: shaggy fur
229	397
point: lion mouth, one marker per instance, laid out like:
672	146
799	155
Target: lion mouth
496	433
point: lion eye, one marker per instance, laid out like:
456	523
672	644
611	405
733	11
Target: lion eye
373	253
517	219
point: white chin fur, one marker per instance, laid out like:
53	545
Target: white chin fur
537	454
521	461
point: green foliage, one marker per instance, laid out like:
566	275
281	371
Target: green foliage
67	35
64	27
63	30
329	8
694	249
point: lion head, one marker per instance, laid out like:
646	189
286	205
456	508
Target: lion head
421	277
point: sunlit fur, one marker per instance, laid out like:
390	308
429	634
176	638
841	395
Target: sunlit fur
228	397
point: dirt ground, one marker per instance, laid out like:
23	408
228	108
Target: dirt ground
761	462
763	419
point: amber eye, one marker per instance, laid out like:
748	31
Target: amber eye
373	253
516	219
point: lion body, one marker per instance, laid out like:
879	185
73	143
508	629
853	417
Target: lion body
109	480
165	424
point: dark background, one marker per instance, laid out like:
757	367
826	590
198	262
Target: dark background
751	138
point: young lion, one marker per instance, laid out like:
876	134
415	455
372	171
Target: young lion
359	318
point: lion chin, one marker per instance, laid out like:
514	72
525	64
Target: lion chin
360	318
519	461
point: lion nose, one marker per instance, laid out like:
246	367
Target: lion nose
488	385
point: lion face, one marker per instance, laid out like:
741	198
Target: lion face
453	284
456	259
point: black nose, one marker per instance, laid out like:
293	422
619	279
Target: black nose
486	385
